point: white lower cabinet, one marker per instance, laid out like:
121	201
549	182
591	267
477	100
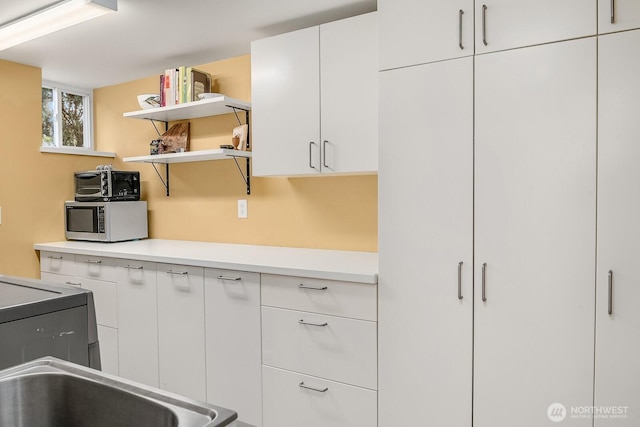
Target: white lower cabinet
138	321
233	354
98	275
319	356
181	348
296	400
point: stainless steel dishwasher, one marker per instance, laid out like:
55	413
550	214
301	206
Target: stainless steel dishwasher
40	319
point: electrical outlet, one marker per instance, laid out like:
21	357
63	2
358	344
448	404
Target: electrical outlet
0	215
242	208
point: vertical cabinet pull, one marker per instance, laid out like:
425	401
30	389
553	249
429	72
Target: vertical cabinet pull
311	144
460	280
613	11
460	13
484	24
324	154
610	285
484	282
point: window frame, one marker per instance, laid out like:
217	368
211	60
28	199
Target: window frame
87	102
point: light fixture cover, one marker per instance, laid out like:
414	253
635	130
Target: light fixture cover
60	15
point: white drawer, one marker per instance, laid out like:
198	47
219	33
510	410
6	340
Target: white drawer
335	348
347	299
287	404
98	268
59	278
59	263
105	297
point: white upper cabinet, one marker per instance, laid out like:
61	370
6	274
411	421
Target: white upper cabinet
420	31
285	95
618	15
315	100
349	95
508	24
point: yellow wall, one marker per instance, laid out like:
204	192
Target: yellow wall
33	185
318	212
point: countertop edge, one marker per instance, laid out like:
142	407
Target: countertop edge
323	268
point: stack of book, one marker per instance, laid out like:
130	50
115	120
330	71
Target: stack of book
183	84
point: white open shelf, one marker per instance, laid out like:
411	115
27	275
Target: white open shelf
190	156
191	110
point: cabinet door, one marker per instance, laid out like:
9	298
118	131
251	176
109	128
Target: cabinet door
181	330
232	311
618	15
507	24
617	350
535	147
419	31
285	98
138	321
425	223
108	338
349	95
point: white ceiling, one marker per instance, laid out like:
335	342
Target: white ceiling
144	37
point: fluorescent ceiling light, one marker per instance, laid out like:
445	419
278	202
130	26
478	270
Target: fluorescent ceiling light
60	15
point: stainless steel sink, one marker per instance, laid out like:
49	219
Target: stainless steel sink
53	393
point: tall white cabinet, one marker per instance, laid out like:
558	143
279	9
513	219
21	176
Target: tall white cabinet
535	198
315	100
425	238
488	163
617	372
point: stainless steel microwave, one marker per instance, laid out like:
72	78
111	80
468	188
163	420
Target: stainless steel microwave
107	185
105	221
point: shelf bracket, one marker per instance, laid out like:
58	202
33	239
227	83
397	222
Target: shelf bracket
165	181
246	178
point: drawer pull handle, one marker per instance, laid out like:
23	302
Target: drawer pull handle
73	283
233	279
93	262
54	257
177	272
319	390
131	267
312	288
321	325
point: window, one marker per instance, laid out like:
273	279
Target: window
66	118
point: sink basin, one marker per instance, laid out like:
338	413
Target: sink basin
53	393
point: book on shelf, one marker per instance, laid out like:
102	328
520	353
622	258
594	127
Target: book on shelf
183	84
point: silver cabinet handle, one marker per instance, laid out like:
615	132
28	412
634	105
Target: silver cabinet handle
610	283
319	390
177	272
312	288
324	154
484	24
89	261
460	13
484	282
131	267
73	283
311	144
460	280
54	257
613	11
233	279
321	325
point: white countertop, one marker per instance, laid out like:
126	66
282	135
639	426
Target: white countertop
315	263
